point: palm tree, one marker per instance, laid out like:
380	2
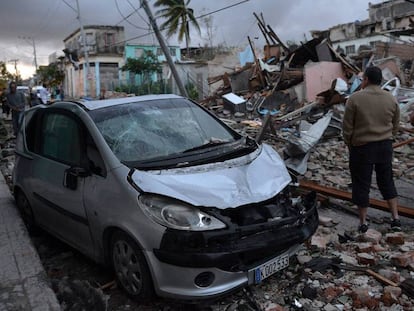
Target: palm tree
178	18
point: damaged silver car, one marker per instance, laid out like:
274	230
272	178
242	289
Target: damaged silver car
157	187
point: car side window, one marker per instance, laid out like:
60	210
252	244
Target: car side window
61	138
32	137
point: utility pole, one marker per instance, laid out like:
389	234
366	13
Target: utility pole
86	64
15	66
34	47
164	47
34	52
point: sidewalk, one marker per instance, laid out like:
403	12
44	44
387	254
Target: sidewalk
23	281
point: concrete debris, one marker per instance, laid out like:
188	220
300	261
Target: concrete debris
270	98
289	91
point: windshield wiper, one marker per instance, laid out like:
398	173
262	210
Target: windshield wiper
211	143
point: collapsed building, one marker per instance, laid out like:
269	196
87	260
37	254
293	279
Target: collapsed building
295	99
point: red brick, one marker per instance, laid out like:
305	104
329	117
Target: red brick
403	260
377	248
362	299
331	292
364	247
395	238
388	299
366	259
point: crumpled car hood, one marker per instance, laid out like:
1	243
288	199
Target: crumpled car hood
255	177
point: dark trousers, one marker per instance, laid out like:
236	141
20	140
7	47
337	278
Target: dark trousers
17	118
362	161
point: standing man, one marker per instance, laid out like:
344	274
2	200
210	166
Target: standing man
44	94
16	101
371	119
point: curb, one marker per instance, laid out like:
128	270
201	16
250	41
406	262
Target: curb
24	284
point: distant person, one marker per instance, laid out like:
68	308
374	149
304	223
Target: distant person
44	94
102	94
5	108
371	118
17	102
34	99
57	95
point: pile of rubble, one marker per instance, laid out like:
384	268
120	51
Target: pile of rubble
294	99
344	271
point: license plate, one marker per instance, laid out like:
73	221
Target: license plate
272	266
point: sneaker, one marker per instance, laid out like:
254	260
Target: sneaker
363	228
396	225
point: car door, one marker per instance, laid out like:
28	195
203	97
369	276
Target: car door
59	176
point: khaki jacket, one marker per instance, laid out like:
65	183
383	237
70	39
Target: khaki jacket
371	114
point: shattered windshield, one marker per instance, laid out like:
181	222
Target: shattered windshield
141	131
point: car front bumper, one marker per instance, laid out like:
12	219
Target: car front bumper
176	282
231	257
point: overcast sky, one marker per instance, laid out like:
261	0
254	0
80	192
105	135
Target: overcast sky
48	22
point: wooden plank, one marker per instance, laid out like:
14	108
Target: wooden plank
347	196
297	111
256	60
405	142
260	134
381	278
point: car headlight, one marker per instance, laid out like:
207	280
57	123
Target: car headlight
177	215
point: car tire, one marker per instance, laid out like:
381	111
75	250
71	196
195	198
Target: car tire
131	269
26	213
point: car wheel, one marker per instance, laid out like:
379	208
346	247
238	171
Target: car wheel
130	267
26	212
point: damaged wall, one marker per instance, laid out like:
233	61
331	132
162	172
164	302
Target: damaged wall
319	77
222	63
403	51
389	9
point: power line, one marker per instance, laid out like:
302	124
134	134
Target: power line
198	17
125	18
222	9
73	9
136	10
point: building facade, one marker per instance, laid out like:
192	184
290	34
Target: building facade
95	60
389	22
139	50
191	73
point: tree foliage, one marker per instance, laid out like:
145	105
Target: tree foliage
51	75
5	75
178	18
145	64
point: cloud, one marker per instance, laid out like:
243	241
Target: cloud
50	21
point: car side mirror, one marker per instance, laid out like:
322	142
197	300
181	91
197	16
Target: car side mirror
70	179
96	163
